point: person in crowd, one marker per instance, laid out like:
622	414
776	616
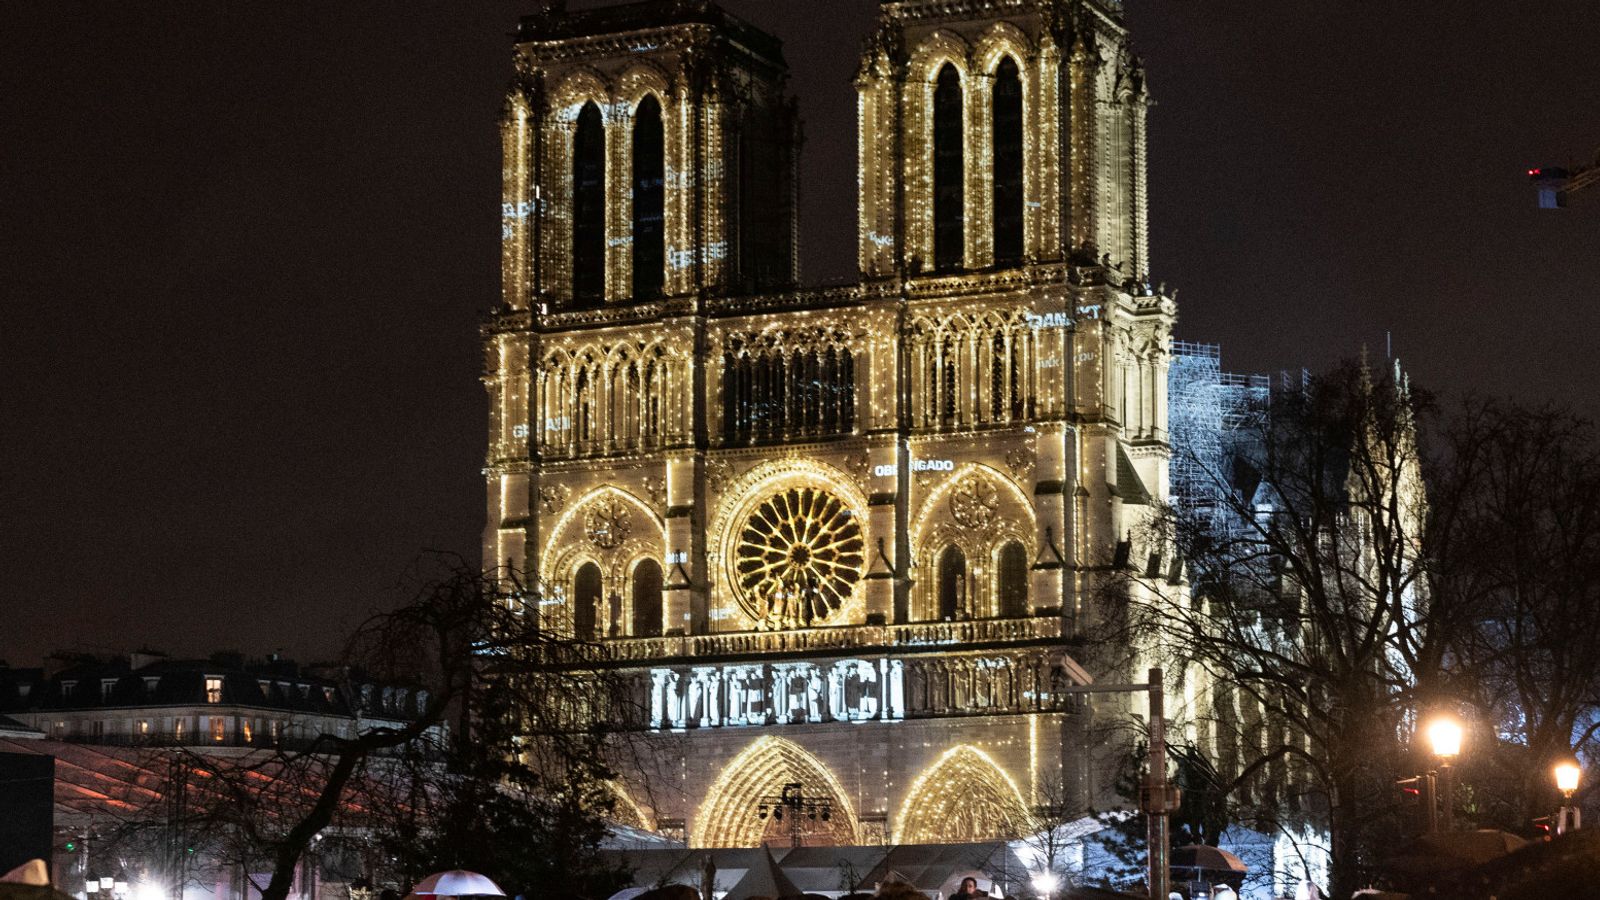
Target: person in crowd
969	890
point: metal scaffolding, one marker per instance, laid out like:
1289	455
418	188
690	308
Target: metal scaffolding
1207	410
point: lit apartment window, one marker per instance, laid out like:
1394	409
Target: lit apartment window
143	726
327	694
248	731
219	728
276	730
213	689
178	729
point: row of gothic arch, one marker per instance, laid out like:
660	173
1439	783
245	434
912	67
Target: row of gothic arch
963	796
966	370
974	539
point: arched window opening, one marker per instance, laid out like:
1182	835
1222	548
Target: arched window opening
731	407
795	417
847	388
589	208
581	426
585	601
948	380
997	377
633	399
952	584
1007	164
777	403
949	194
830	392
1017	386
776	394
1012	584
649	201
647	599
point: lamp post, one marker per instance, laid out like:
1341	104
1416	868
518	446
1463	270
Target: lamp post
1570	818
1159	797
1444	733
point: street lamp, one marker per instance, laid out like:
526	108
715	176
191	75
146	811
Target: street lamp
1444	733
1570	817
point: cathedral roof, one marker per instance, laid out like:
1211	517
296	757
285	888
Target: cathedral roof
553	22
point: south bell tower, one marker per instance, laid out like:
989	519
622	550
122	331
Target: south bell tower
848	536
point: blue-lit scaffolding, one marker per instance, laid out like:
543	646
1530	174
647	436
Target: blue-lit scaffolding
1208	411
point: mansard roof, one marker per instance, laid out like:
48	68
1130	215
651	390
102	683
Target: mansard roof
112	683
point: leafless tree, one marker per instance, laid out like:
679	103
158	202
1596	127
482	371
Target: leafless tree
491	684
1523	547
1309	612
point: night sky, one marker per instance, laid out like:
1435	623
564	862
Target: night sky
247	246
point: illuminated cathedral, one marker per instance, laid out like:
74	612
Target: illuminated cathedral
847	538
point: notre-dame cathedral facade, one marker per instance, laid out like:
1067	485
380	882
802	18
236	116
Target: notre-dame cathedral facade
847	537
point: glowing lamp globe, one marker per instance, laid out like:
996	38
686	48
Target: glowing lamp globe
1444	733
1046	882
1567	777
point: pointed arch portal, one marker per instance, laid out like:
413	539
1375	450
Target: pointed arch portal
729	815
963	797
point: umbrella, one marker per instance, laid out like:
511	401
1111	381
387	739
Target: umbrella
670	892
457	883
1203	858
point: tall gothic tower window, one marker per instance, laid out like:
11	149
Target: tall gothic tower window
649	201
1007	164
589	208
585	601
949	194
1013	580
647	599
952	583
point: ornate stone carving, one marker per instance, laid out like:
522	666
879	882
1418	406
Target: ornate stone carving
656	487
607	524
552	497
975	503
718	473
1019	460
858	464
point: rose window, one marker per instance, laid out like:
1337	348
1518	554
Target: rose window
606	523
974	503
798	558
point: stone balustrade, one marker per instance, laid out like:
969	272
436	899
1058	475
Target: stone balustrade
972	633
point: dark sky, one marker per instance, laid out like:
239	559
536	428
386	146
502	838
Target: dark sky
246	248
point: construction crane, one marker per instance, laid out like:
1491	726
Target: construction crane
1556	185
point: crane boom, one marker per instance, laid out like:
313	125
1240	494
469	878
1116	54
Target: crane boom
1556	185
